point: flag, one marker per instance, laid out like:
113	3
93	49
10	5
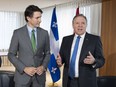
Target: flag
54	46
77	11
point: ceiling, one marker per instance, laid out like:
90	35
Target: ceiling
20	5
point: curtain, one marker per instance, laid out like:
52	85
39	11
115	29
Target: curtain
8	22
65	14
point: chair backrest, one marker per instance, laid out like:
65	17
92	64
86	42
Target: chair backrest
0	61
6	79
106	81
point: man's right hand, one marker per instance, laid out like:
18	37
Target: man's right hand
30	70
59	60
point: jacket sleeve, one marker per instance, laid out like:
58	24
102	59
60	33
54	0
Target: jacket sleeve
12	54
99	58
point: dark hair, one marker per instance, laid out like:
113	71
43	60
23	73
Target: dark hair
79	15
30	10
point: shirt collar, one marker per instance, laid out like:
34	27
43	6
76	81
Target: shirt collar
30	29
82	36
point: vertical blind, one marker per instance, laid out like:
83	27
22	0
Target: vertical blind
65	14
8	22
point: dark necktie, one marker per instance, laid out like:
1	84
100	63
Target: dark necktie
73	59
33	40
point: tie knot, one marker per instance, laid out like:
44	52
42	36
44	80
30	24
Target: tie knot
33	31
79	37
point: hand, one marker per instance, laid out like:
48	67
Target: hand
59	60
40	70
30	70
90	59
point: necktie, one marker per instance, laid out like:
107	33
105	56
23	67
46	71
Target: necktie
33	40
73	59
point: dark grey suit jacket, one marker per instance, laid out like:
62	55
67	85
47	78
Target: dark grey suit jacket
21	54
87	74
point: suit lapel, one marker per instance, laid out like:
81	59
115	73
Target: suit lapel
27	38
70	45
85	44
39	37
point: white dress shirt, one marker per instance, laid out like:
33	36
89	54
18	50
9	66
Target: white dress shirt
78	52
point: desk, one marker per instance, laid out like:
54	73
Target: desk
3	53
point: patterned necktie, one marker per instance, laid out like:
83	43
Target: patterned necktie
33	40
73	59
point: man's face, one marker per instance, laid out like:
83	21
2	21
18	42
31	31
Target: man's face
35	20
79	25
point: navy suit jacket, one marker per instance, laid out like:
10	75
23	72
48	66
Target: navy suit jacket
87	74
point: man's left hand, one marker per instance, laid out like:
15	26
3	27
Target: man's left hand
40	70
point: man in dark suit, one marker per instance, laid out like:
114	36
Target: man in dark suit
89	56
29	51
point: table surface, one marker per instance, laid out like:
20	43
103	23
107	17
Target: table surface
3	53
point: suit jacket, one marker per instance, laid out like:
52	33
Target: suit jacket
21	53
87	74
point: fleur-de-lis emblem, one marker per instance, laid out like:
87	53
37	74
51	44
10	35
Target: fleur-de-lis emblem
53	70
54	24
